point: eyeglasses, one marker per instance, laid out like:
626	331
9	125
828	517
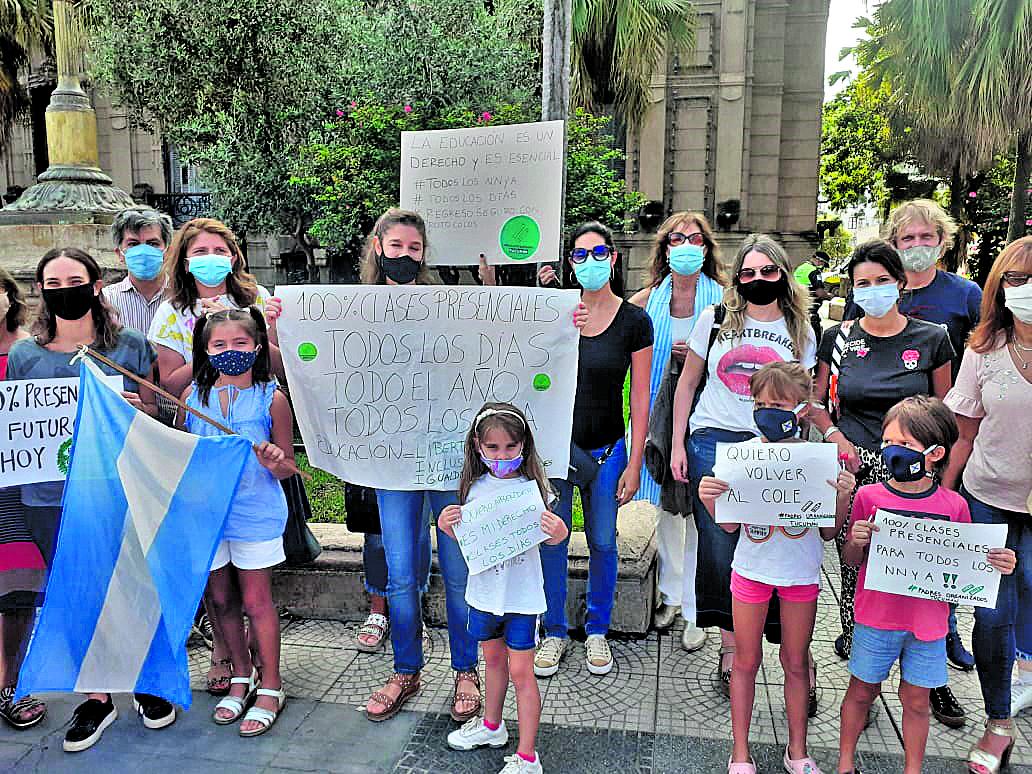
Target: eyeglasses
1015	278
675	238
767	272
598	252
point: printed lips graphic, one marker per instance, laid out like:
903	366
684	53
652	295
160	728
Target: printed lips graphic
738	365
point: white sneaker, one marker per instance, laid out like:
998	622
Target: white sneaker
549	654
692	638
514	764
599	656
474	734
1021	695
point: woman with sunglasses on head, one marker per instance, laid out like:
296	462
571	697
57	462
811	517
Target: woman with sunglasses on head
993	461
685	280
764	318
617	336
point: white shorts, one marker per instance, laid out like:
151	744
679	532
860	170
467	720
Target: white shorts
249	556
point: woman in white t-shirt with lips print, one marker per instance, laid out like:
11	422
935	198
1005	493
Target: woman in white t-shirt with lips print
765	319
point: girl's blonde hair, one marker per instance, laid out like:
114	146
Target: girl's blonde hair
507	417
370	272
795	305
789	381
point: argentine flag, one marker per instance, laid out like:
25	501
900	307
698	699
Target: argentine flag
143	511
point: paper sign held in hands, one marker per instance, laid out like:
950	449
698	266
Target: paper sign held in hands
500	526
782	484
934	559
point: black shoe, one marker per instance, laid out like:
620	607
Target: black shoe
155	711
957	654
842	647
88	724
946	708
811	711
202	629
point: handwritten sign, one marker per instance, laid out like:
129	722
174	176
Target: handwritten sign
495	190
386	380
783	484
500	526
934	559
37	421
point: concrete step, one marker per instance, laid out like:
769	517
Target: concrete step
332	587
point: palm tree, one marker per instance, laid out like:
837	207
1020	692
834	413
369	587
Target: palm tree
24	26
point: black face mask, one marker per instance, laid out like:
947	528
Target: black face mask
69	303
761	292
401	270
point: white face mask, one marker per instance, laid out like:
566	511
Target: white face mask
1019	301
5	304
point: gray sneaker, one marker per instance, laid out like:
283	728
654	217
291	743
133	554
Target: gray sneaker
599	656
549	654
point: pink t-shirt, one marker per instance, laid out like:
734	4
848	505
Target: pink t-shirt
925	618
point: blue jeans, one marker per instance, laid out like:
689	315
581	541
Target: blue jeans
374	560
403	528
599	502
1005	630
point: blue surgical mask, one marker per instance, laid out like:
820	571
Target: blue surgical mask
877	300
592	274
502	468
210	269
233	362
778	424
687	258
143	260
906	464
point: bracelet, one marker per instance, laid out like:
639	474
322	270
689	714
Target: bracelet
830	432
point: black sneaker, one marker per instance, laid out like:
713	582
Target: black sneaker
946	708
88	724
155	711
202	629
957	655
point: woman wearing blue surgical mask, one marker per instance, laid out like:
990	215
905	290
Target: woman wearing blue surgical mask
685	280
866	366
617	336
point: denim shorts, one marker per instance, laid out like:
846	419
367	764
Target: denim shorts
921	663
518	629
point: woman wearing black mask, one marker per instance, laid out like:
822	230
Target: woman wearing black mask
74	313
764	318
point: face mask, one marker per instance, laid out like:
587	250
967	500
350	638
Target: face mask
919	257
777	424
592	274
502	468
1019	301
210	269
761	292
144	261
72	303
876	300
686	259
905	464
401	270
5	305
233	362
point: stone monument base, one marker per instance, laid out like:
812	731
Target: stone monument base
26	236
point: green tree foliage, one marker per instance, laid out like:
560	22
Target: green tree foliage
24	25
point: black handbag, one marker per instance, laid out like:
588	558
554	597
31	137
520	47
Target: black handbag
584	467
299	544
362	513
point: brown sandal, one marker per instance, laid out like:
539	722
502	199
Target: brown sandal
461	717
409	685
219	685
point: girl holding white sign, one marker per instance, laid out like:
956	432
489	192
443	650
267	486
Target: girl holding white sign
917	435
505	600
782	559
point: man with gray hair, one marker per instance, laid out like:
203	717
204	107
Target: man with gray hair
140	235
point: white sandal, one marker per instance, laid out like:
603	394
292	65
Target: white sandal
375	625
236	704
262	715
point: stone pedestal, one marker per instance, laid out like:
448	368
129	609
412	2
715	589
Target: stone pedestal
23	243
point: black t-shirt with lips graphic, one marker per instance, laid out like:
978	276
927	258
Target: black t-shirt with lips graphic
877	372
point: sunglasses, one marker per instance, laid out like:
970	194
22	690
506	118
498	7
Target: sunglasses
1015	279
598	252
768	272
675	238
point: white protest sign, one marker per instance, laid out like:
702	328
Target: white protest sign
934	559
386	381
37	420
783	484
500	526
496	190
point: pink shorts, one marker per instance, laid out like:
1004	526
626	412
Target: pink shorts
756	592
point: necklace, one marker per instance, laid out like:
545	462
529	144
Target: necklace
1017	354
1022	347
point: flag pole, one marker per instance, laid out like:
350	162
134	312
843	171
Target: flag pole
150	385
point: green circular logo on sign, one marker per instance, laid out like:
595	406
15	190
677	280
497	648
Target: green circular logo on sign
64	456
307	351
520	237
542	382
